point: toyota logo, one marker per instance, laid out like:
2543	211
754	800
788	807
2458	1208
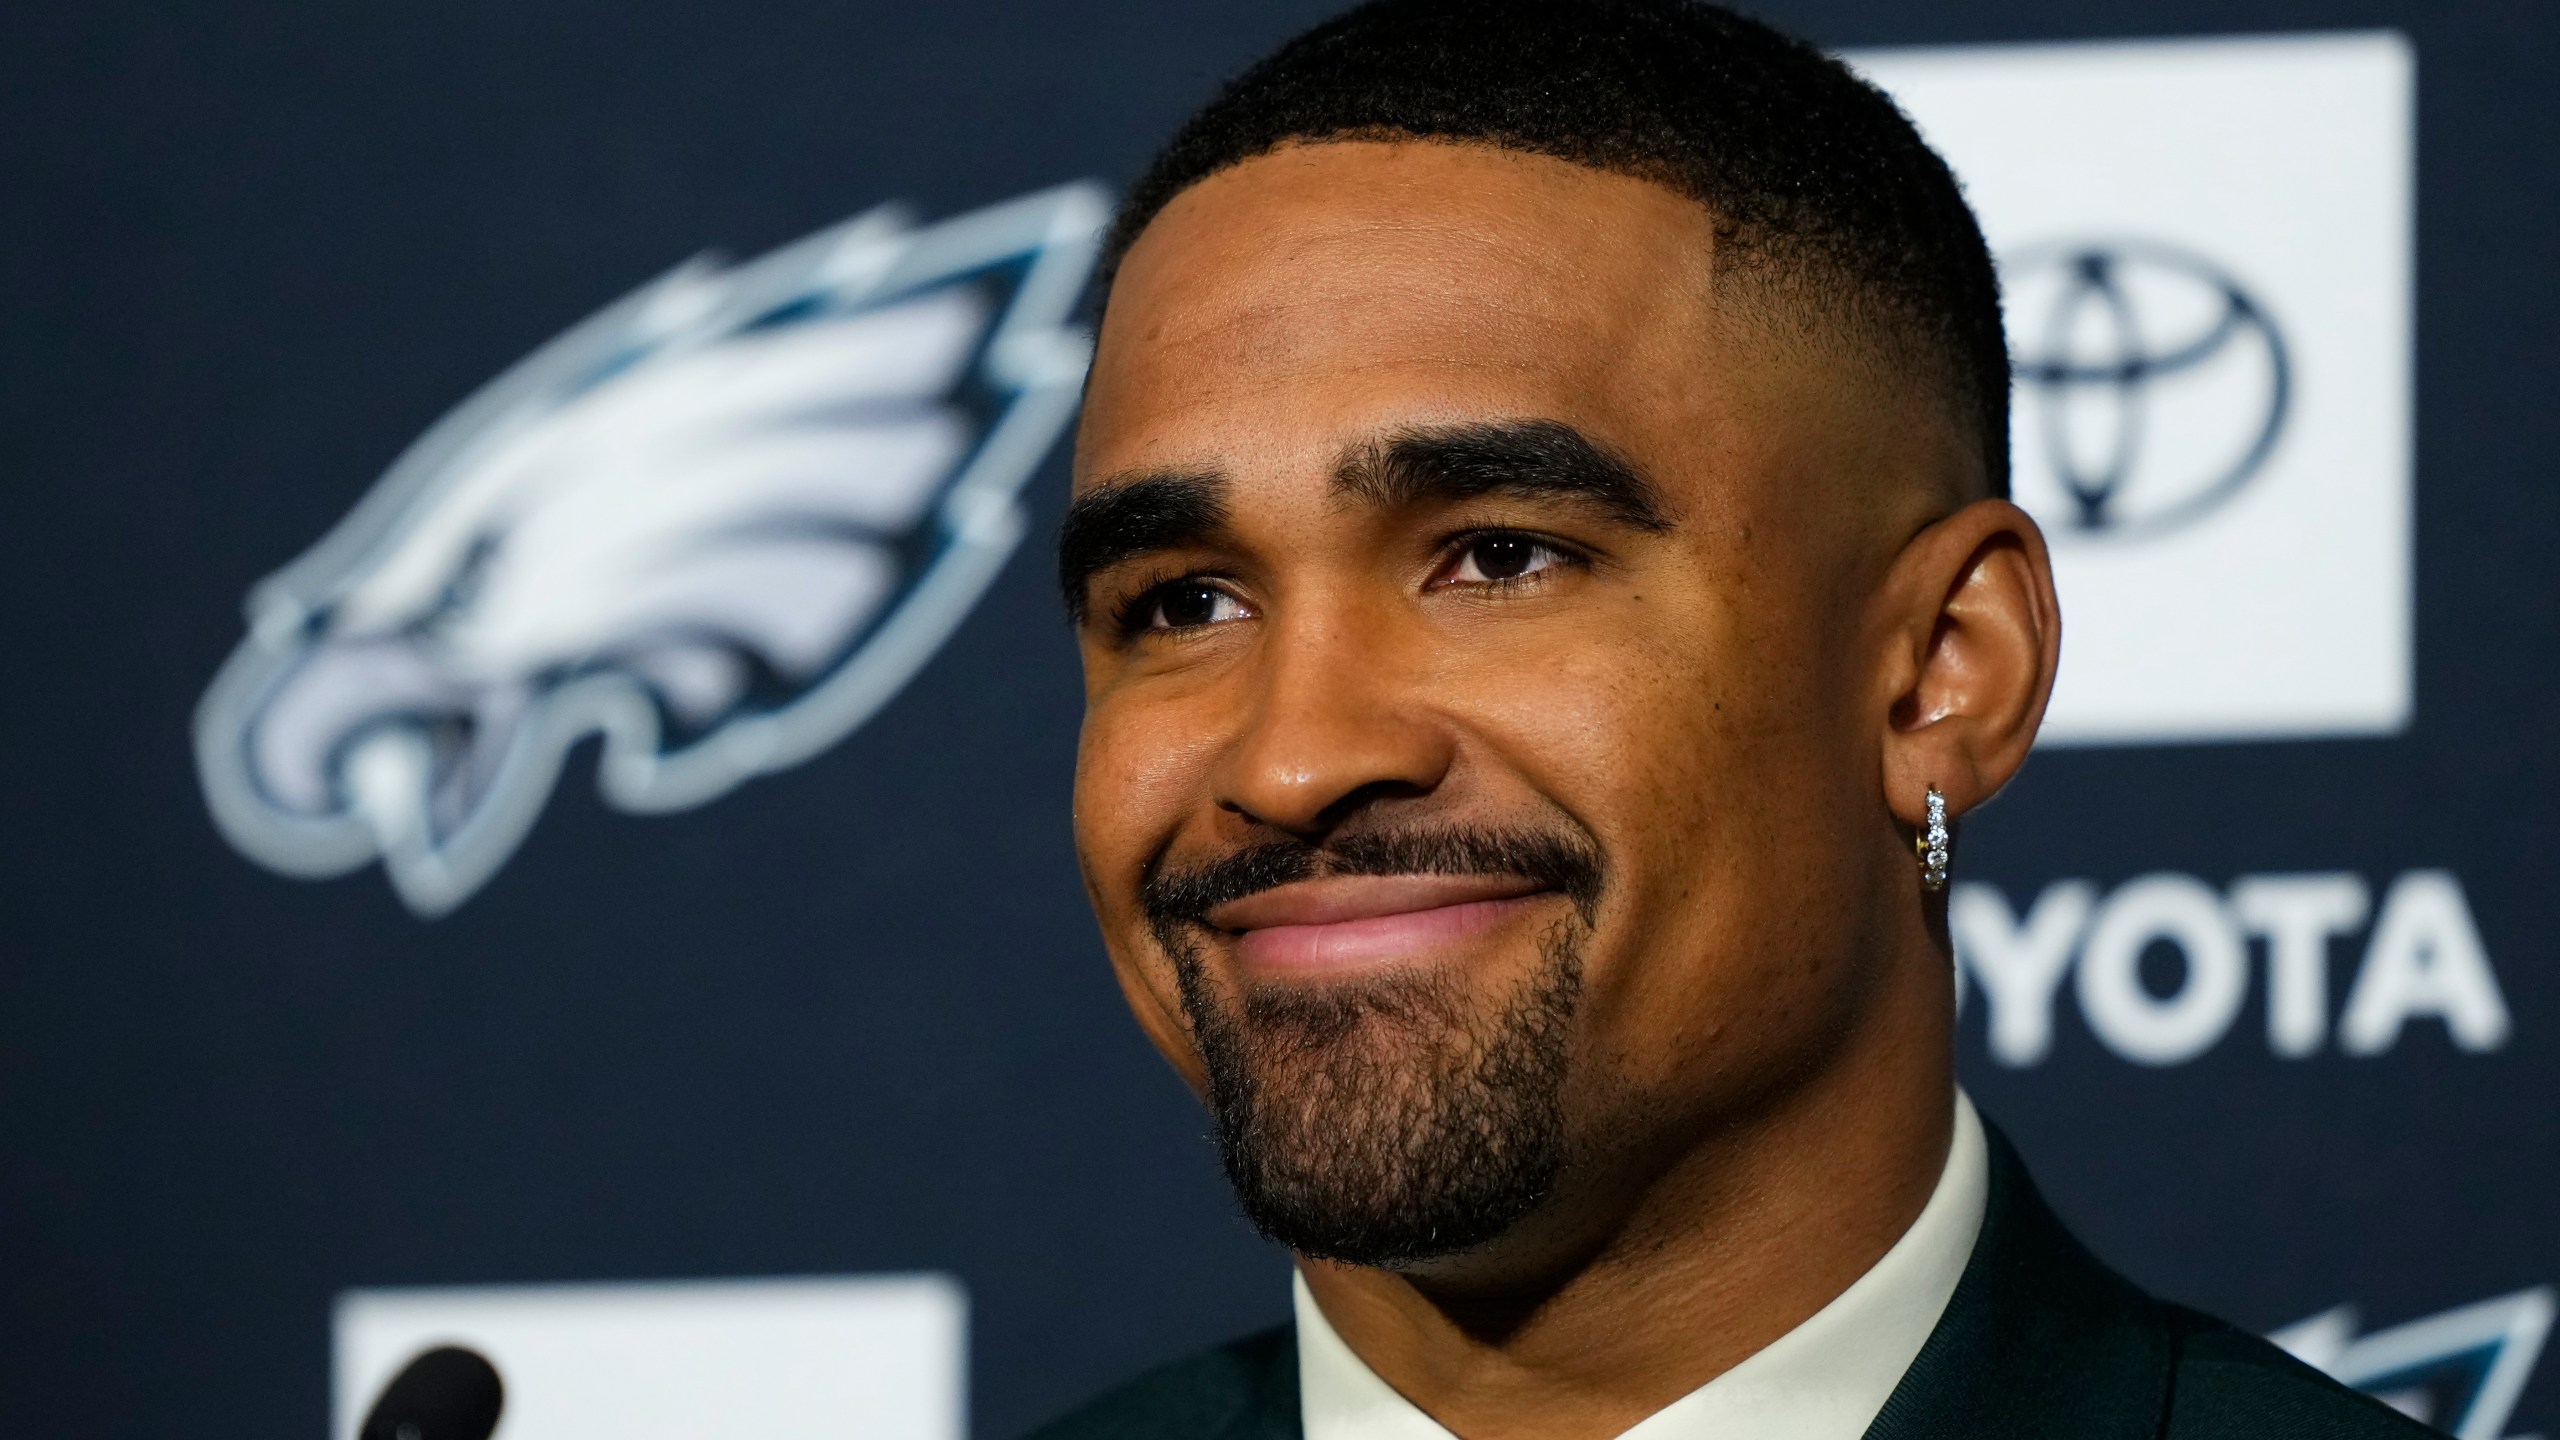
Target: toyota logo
2151	386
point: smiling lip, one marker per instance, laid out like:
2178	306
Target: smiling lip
1350	921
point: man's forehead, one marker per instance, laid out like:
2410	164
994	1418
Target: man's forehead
1360	277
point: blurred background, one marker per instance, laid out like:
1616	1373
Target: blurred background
319	986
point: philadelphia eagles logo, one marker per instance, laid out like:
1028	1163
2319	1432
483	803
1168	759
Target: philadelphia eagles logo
2460	1370
717	525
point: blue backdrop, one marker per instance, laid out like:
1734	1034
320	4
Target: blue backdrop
854	1017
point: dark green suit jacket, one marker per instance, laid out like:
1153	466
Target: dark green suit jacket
2040	1342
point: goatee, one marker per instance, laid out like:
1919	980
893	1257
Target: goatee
1399	1119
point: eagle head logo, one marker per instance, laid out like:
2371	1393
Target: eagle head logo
717	525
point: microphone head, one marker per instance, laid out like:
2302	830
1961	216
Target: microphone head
447	1393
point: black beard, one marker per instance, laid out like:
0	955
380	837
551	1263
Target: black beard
1394	1121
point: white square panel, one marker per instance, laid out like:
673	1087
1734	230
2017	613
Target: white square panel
2205	248
882	1358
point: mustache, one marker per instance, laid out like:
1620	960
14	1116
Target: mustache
1172	898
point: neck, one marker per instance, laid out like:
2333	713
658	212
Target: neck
1741	1237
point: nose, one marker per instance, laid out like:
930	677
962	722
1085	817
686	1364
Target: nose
1334	722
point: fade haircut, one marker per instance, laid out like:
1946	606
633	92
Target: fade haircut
1820	189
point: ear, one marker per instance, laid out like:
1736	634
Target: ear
1972	637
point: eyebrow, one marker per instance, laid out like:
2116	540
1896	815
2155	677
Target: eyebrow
1526	459
1123	519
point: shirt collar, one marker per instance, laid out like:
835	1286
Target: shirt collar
1823	1380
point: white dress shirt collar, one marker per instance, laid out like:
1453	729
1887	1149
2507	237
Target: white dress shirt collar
1824	1380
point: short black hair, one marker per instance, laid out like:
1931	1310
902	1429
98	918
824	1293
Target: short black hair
1806	168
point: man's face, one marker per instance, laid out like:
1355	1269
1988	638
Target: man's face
1479	781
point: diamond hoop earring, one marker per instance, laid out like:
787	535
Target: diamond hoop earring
1931	843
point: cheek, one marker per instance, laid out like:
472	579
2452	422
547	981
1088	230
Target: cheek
1653	726
1132	790
1141	771
1715	774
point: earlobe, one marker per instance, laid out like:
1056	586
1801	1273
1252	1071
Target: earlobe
1976	636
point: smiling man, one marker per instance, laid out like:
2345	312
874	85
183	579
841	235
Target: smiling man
1543	580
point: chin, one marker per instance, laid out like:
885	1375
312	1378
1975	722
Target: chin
1398	1113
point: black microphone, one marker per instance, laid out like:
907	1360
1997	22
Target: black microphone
447	1393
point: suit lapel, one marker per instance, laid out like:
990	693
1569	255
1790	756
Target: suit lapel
2039	1340
1270	1411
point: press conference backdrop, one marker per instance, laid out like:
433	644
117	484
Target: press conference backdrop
538	728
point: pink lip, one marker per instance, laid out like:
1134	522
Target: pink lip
1349	921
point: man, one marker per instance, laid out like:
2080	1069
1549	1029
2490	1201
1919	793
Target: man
1543	580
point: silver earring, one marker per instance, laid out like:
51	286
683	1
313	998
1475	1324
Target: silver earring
1931	843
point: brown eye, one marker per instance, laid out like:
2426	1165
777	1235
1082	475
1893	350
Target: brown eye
1186	604
1492	559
